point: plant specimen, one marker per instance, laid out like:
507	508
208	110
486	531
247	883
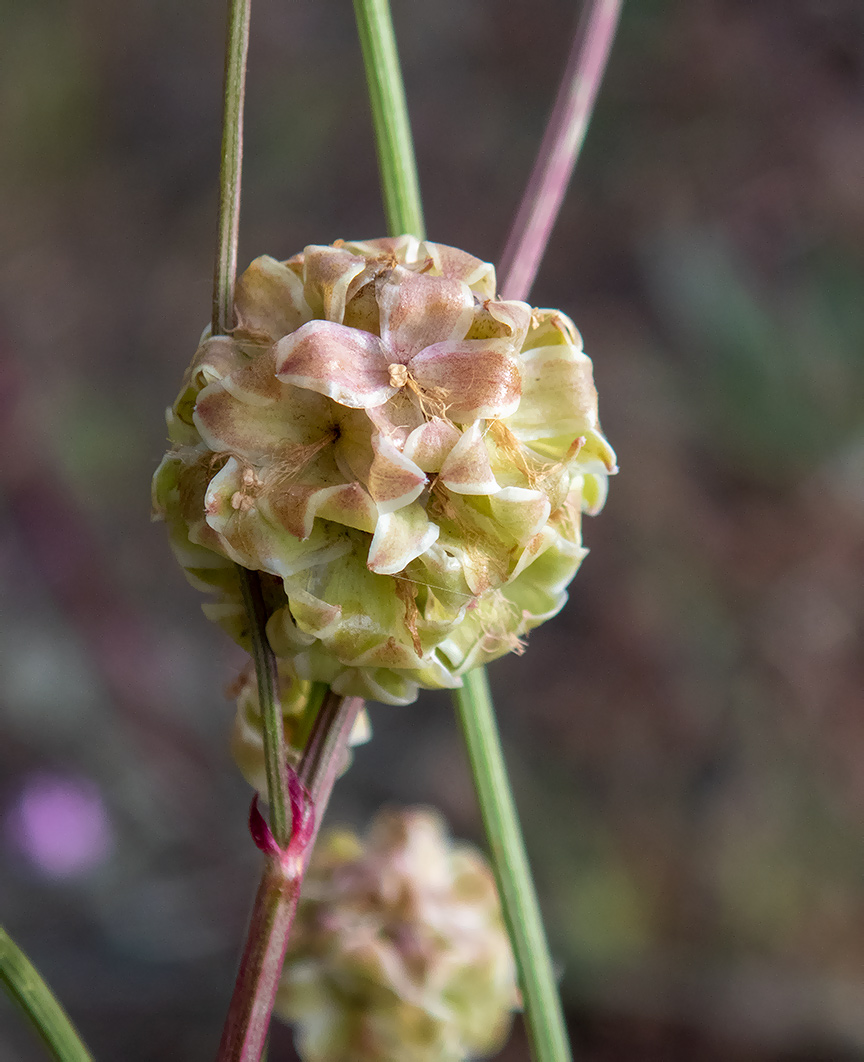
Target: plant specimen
378	471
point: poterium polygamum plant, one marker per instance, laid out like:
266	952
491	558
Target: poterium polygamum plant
404	457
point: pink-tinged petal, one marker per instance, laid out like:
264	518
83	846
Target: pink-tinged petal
268	301
404	249
255	382
467	469
348	504
459	265
475	378
216	357
329	273
345	364
294	419
417	310
520	512
394	480
429	445
399	538
250	535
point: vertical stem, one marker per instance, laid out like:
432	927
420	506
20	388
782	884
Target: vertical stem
560	148
543	1014
225	271
224	275
398	167
518	898
273	725
23	983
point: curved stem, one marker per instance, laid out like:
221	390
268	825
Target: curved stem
36	1000
560	148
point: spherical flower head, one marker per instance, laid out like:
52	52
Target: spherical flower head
402	455
399	952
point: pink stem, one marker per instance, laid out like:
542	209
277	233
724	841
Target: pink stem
560	148
248	1018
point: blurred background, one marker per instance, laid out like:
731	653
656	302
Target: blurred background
687	739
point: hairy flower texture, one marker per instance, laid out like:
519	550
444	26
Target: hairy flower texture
402	455
398	953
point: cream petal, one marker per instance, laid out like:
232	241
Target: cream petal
311	614
429	444
268	301
459	265
467	469
394	480
345	364
417	310
520	512
399	538
514	315
550	328
558	395
328	274
475	378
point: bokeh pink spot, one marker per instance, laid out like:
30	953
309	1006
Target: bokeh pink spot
60	824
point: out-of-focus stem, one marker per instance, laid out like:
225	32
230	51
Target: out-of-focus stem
560	148
399	184
23	983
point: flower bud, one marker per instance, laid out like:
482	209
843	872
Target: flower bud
398	952
402	455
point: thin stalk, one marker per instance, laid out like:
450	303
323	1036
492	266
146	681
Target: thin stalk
231	167
26	988
248	1019
562	142
543	1014
399	184
224	276
518	898
273	725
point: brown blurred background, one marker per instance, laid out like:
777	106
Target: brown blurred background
687	739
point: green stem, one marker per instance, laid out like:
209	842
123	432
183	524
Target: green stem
224	275
543	1014
34	997
399	185
273	725
225	271
400	189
